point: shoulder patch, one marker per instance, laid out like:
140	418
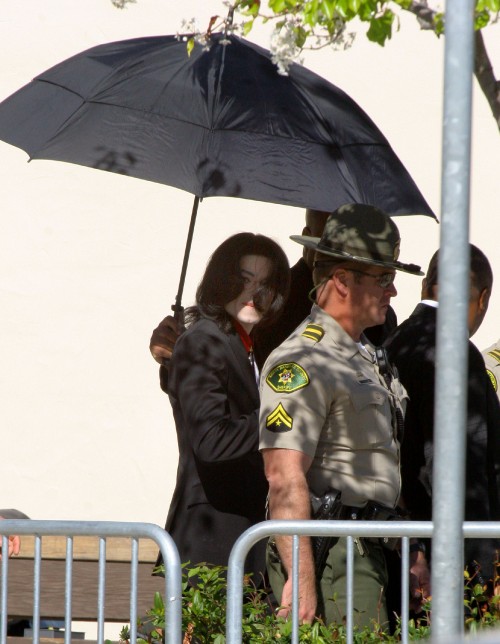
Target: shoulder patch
494	381
279	420
287	377
495	354
313	332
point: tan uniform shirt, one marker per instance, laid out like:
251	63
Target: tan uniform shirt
324	396
491	357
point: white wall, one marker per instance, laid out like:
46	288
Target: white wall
89	261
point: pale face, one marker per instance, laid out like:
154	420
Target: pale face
255	271
370	299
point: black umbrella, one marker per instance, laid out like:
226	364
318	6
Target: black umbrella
221	121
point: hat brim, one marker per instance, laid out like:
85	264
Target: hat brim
314	244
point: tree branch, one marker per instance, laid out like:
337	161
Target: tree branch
485	75
425	15
483	69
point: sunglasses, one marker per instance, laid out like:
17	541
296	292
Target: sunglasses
384	280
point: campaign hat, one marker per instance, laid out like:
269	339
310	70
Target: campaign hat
361	233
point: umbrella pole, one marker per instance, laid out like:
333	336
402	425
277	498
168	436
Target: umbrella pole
177	308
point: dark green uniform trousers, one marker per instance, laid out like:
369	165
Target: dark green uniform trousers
370	582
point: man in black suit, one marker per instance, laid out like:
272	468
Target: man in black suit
412	347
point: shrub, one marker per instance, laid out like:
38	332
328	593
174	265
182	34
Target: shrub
204	616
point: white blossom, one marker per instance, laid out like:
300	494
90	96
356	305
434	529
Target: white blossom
187	27
284	48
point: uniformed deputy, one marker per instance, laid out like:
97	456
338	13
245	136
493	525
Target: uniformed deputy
329	416
491	357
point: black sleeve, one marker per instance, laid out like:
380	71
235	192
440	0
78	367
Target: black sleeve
199	383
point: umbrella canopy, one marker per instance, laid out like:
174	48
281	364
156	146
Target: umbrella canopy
221	121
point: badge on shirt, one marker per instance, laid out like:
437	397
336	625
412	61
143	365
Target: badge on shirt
287	377
279	420
493	379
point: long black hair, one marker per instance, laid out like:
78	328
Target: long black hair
222	281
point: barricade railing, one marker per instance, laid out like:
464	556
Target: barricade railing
173	585
349	529
102	530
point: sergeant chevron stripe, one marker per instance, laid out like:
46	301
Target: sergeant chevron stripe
279	421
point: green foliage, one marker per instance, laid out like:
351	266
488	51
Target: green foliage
481	611
326	20
204	616
381	28
189	45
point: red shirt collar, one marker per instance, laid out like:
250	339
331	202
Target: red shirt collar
245	338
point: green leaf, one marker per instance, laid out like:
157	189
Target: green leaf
482	18
158	602
253	9
492	5
197	598
327	8
277	5
190	46
310	12
220	639
300	36
478	589
367	11
381	28
439	24
247	27
342	8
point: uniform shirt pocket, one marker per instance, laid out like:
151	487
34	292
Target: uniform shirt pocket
372	417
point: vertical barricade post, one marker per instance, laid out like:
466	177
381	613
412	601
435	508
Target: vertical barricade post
452	333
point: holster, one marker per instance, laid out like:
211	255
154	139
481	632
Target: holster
330	507
326	507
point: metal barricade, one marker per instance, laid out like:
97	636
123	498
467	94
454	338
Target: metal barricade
348	529
103	530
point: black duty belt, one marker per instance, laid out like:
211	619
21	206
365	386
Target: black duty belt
372	511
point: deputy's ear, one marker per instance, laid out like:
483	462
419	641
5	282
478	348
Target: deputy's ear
340	275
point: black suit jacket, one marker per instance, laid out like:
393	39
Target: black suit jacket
412	347
221	488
